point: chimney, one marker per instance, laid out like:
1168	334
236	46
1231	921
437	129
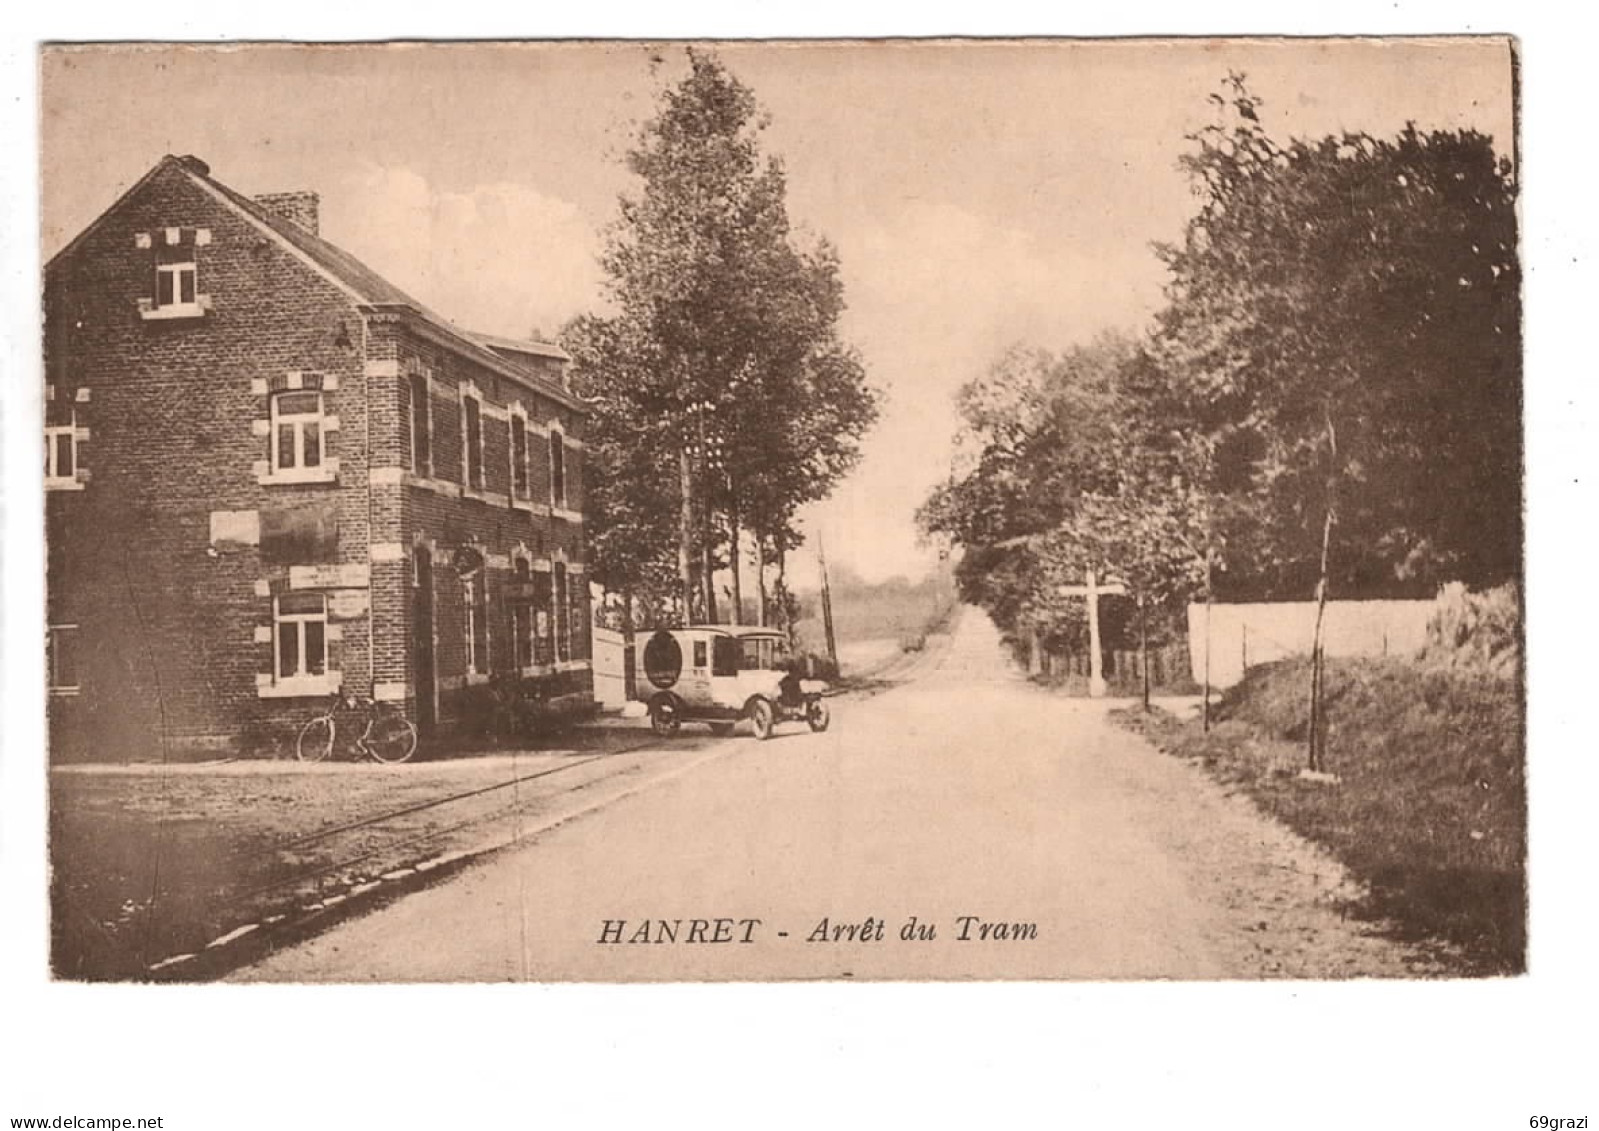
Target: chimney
190	161
298	208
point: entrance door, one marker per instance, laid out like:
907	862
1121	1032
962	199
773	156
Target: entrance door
422	664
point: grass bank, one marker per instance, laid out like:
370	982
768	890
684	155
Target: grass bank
1429	806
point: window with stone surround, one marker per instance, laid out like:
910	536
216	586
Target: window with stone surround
519	471
63	457
474	595
421	426
301	440
521	600
175	286
300	637
471	441
557	470
543	619
563	616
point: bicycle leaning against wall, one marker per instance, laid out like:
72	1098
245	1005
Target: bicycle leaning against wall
388	736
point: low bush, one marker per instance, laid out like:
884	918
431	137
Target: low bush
1478	631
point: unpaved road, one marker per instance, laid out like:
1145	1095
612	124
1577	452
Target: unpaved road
962	797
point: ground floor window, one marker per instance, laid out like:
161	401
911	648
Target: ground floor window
522	615
563	616
300	627
476	623
543	620
61	657
578	603
62	457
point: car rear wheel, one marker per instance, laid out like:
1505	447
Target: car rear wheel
665	716
762	718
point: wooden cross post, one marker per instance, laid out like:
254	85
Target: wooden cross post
1096	662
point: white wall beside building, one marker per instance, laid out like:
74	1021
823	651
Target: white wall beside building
1243	635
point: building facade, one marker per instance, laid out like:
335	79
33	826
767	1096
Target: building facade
271	475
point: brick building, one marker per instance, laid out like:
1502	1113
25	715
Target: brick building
270	474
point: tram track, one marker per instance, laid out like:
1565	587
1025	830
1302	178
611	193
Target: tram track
368	826
341	867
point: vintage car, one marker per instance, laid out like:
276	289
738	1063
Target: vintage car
719	674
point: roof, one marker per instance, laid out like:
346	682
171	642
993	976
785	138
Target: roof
739	630
512	345
356	278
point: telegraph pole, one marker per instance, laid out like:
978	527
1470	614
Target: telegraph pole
827	603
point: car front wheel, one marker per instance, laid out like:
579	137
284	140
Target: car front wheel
762	718
818	716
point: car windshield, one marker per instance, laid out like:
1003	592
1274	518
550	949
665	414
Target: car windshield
761	653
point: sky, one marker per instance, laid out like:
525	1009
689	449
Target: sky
980	195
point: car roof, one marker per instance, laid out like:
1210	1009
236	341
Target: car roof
739	630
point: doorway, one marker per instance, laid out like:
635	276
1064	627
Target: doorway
422	659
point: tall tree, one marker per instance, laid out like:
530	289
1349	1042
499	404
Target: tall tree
1344	329
1061	478
724	336
1344	320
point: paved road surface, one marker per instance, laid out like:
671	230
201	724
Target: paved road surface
962	797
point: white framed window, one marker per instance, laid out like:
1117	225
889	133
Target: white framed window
471	441
61	659
62	457
176	287
557	470
300	637
300	434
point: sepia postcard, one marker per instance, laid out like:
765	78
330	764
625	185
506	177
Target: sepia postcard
938	511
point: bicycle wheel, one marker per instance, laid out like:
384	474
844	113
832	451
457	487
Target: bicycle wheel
316	739
391	739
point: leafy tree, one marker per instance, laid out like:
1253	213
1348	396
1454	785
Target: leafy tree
721	361
1062	479
1340	352
1344	329
631	508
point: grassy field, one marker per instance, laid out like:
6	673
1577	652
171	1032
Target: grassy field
1429	808
898	610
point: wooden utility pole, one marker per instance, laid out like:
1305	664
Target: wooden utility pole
685	533
827	603
1207	640
1143	648
761	615
1316	739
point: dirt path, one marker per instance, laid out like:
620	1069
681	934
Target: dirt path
965	797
